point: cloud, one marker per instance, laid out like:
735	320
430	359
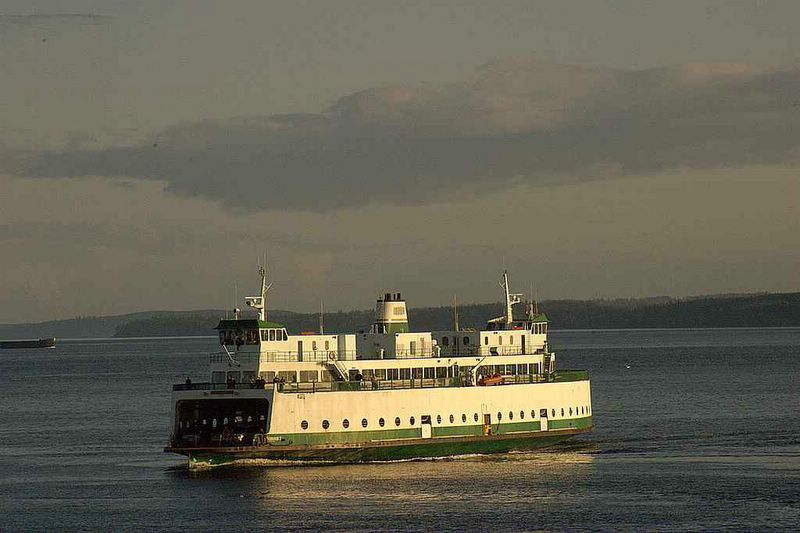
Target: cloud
34	19
514	121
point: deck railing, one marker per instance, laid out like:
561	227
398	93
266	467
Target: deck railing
351	355
372	385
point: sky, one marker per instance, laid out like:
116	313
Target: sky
151	151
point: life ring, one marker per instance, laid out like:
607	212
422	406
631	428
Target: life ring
332	356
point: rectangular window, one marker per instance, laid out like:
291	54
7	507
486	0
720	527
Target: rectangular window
327	377
272	334
327	345
264	335
486	341
417	373
307	376
441	371
430	372
535	368
218	377
380	374
235	374
413	347
511	339
392	373
405	373
289	376
367	373
248	376
522	369
267	375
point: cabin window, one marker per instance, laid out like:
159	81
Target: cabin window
411	420
397	421
570	411
500	340
308	376
380	374
381	422
412	347
533	413
535	368
476	417
304	424
452	419
562	411
346	423
405	373
499	416
463	418
439	419
252	336
325	424
430	372
267	375
486	341
511	415
327	345
522	415
363	422
367	373
445	341
287	376
327	376
417	373
392	373
441	372
511	339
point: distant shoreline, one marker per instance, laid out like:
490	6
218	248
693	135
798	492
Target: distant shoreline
771	310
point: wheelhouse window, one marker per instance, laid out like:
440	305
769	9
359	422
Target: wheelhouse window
272	334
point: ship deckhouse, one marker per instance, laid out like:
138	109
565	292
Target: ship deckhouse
274	394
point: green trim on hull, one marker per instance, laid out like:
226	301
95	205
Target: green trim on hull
382	451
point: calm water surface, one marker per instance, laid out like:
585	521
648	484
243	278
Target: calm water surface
701	432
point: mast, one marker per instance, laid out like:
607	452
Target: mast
510	299
259	303
455	313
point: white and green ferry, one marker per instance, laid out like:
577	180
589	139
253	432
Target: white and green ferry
383	394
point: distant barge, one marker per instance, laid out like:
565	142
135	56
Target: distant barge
29	343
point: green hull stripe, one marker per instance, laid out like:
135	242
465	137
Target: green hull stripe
431	448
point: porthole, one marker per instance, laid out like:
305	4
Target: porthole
438	419
499	416
533	413
511	415
304	424
363	422
562	411
476	417
346	423
411	420
325	424
570	411
463	418
381	422
553	412
452	419
522	415
582	411
397	421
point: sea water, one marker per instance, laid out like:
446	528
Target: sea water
694	429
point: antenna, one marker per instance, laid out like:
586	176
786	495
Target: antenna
455	313
321	318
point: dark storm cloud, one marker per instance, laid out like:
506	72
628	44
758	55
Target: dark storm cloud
515	121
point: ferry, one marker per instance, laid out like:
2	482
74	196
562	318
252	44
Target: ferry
386	393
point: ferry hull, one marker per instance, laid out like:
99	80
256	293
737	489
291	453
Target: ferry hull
379	451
